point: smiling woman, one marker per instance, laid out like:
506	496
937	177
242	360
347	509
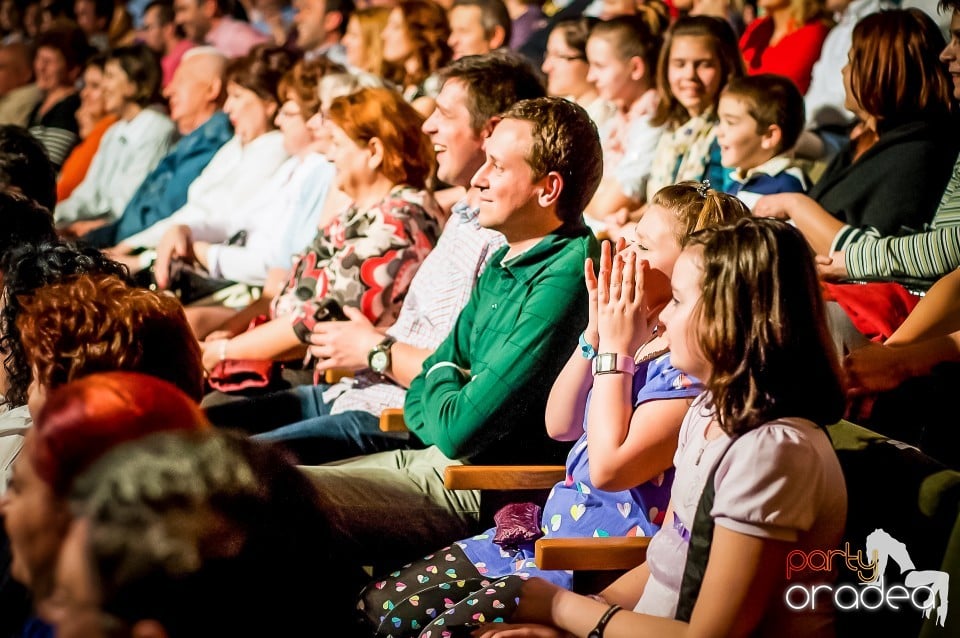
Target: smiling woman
415	45
130	150
698	59
61	54
367	256
93	120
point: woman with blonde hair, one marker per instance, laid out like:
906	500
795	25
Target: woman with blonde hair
363	40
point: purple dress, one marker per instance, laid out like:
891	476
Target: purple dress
576	509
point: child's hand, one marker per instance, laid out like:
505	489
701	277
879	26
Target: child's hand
606	263
625	321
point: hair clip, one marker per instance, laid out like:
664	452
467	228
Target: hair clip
703	187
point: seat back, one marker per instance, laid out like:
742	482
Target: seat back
915	500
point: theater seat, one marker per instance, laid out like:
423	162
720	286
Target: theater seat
916	500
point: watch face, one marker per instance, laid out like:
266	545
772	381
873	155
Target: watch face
379	361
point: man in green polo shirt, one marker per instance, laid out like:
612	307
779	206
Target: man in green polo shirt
481	396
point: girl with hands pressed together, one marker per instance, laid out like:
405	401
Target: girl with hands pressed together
625	432
747	318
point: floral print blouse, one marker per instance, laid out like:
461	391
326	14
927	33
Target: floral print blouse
364	259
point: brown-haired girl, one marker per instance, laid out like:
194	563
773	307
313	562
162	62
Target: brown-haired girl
747	317
415	45
698	58
622	54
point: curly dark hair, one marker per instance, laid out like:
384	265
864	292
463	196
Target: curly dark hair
26	269
97	323
25	167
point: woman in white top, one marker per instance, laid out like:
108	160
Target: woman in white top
289	197
622	53
130	149
237	174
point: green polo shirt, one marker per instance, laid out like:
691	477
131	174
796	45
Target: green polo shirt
482	395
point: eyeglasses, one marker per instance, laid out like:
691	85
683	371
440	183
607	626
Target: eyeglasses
559	56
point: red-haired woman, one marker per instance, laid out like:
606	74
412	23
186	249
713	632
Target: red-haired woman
415	44
69	330
77	424
364	260
787	40
901	93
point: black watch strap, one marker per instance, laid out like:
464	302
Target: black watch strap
597	632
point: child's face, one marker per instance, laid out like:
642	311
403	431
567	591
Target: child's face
613	77
680	316
741	146
655	239
693	73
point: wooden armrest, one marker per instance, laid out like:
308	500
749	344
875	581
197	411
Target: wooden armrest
609	553
391	420
502	477
334	375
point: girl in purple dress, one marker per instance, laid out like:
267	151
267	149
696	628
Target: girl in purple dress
624	418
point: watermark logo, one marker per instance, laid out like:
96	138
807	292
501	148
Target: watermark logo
923	590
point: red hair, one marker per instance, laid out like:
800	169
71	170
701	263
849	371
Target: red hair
96	323
83	419
383	114
895	69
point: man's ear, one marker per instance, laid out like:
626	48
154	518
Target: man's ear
638	69
215	91
332	21
499	38
491	124
771	138
209	8
148	629
552	187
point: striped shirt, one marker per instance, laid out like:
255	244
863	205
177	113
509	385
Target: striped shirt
57	129
437	294
927	255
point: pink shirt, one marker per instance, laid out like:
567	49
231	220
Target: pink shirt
234	38
171	61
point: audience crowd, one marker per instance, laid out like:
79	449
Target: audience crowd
668	242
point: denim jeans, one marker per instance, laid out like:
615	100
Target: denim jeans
300	420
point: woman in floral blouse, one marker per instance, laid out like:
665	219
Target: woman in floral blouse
366	257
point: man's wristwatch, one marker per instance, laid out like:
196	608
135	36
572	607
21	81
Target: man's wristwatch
379	358
612	363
